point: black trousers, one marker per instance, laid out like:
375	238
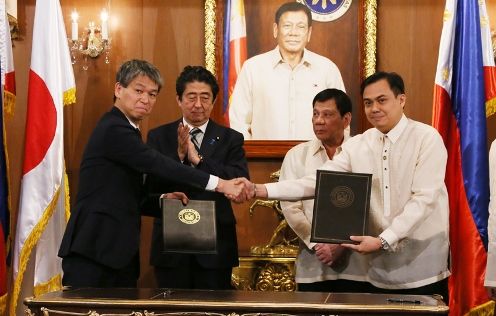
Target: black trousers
347	286
80	271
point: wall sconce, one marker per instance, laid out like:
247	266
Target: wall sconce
94	40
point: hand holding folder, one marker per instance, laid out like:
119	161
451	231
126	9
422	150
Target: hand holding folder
189	228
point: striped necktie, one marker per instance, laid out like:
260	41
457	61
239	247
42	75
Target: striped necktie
194	133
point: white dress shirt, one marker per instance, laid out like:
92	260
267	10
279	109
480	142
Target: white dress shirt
490	279
408	205
301	160
273	101
202	128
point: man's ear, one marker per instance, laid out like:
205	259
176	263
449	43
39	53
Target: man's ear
402	98
117	90
347	119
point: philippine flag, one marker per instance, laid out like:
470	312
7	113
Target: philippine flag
465	89
234	49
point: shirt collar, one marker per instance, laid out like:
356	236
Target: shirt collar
276	58
317	145
131	122
116	108
202	127
396	132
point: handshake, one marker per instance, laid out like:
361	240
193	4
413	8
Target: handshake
240	190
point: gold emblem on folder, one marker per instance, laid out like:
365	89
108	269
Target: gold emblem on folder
342	196
189	216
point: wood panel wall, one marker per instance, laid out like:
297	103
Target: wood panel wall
408	43
170	35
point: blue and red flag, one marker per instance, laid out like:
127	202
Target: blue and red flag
465	86
234	50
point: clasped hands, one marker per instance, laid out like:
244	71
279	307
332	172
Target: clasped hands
330	254
185	147
334	254
240	190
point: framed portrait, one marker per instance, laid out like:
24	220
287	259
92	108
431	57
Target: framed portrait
348	39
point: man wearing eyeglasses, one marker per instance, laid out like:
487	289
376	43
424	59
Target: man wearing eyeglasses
272	93
197	141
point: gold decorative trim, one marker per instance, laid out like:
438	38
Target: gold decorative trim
210	35
146	313
9	100
67	196
483	309
8	97
14	28
367	66
46	312
267	314
276	277
3	304
29	244
54	284
28	312
370	37
490	107
69	96
491	103
325	305
241	283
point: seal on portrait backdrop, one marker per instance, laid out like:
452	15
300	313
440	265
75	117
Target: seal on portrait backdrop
342	196
189	216
327	10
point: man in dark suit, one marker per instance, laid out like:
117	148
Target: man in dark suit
101	241
199	143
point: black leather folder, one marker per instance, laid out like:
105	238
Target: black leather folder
190	228
341	207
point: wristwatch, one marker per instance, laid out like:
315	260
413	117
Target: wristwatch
384	243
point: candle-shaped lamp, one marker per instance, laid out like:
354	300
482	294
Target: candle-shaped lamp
104	17
74	18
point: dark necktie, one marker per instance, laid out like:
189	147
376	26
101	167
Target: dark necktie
194	133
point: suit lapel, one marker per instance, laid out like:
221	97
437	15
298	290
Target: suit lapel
171	136
210	139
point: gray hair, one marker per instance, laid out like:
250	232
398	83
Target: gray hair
135	67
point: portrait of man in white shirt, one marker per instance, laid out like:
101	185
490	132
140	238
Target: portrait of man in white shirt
273	91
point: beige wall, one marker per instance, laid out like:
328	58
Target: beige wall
170	34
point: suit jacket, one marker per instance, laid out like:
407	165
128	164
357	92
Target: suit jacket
223	156
105	222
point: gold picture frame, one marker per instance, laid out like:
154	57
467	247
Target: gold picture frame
367	47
